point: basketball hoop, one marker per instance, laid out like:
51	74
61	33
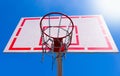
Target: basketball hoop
56	35
56	32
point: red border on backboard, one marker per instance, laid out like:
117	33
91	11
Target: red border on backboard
76	31
11	47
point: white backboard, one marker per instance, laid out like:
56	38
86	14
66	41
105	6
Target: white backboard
89	35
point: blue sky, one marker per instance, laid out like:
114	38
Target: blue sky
75	64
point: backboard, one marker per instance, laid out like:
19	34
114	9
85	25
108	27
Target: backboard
90	34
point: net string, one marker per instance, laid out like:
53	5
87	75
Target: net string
59	26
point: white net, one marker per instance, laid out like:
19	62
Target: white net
56	26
